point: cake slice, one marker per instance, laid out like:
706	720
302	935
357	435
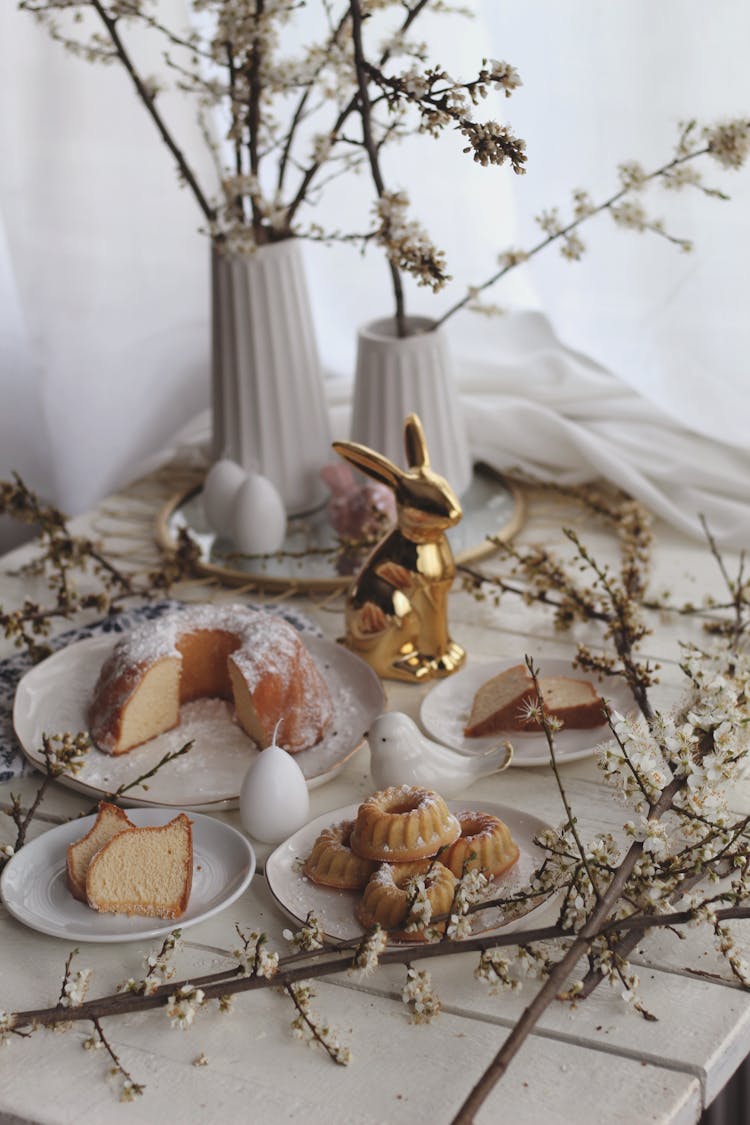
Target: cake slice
110	820
574	702
144	871
499	701
500	704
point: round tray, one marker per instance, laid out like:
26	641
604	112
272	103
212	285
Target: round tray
308	559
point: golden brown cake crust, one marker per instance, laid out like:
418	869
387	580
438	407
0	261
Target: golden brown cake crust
332	863
485	844
110	820
390	892
402	824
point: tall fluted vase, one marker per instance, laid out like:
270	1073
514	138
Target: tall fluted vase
400	375
269	409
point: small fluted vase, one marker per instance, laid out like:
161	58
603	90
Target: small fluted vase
401	375
268	401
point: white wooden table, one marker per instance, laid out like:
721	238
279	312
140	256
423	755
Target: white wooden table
600	1062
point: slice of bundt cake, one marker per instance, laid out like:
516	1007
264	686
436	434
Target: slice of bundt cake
110	820
502	703
144	871
254	658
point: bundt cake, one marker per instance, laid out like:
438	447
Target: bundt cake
332	863
144	871
390	893
485	845
502	702
402	824
109	821
254	658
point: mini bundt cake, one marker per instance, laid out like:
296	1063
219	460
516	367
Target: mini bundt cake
251	657
332	863
144	871
109	821
402	824
390	893
485	844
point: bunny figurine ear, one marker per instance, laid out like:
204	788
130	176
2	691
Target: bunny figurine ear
417	456
368	461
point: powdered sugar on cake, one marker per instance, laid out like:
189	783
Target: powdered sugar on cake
154	640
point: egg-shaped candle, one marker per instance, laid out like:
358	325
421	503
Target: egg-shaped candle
274	801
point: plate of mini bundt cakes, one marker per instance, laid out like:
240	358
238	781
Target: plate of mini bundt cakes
363	865
225	679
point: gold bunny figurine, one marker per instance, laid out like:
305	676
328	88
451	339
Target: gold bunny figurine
397	608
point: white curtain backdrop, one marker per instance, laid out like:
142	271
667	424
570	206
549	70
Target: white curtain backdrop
104	346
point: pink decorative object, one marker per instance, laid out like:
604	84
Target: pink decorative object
357	511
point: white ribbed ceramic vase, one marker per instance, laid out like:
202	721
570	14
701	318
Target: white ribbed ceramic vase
269	409
400	375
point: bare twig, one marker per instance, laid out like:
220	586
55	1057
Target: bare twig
365	112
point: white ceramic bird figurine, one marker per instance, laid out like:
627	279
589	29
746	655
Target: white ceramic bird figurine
401	755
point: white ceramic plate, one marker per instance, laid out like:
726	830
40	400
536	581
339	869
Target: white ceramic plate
445	712
53	697
297	895
34	888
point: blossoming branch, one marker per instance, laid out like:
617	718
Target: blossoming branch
681	859
275	121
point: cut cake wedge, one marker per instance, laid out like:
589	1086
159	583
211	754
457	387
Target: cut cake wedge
500	704
109	822
144	871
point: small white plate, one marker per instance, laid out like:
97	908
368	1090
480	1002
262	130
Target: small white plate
445	712
35	891
297	895
54	696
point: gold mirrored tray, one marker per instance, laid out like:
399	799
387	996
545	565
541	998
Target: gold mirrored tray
311	558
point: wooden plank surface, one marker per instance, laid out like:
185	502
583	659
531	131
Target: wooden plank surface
597	1063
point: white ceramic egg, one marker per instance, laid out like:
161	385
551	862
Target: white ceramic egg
258	522
274	801
219	491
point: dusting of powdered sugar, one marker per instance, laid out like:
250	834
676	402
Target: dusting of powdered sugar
272	650
153	640
269	645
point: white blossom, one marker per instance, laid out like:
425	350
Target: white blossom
309	937
7	1022
419	996
729	142
367	956
253	957
75	988
183	1005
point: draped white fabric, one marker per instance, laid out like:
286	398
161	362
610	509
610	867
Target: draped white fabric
104	276
104	298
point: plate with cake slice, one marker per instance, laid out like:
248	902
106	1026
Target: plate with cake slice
488	702
146	873
82	687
